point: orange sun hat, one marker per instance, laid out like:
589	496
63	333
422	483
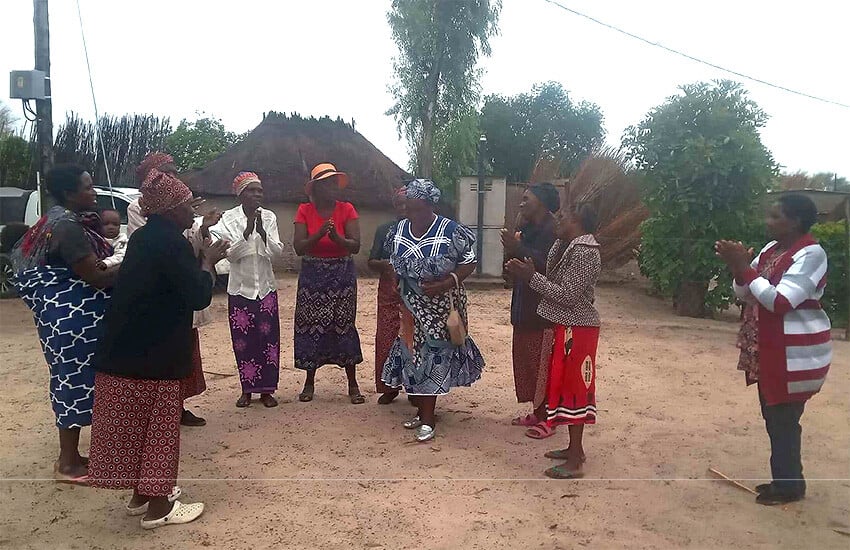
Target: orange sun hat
324	171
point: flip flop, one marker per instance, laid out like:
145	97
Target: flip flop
180	513
387	398
69	479
561	454
541	430
559	472
355	396
306	394
527	421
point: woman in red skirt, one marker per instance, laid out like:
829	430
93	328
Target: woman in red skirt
146	352
567	292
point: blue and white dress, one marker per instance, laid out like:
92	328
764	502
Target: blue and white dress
434	365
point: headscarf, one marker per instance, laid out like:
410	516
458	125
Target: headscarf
162	192
150	162
423	189
548	195
243	180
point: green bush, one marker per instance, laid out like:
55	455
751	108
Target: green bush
832	238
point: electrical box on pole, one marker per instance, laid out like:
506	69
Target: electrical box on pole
27	85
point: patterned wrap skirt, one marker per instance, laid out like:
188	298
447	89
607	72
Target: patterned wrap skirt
255	331
325	311
135	437
68	314
572	376
433	365
527	351
388	326
194	384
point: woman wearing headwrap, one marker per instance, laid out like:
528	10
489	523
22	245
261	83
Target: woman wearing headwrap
431	256
389	301
145	352
194	384
252	289
57	275
327	234
532	239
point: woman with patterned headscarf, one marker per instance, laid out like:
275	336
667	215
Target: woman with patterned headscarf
252	289
144	354
432	256
327	234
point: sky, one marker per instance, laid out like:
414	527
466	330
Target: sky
236	60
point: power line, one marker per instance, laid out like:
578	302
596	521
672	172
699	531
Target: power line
99	134
698	60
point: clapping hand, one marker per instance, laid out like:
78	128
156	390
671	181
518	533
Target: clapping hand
734	254
510	241
215	252
211	218
521	270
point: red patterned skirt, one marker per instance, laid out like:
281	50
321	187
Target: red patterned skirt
135	434
389	323
572	376
527	353
194	384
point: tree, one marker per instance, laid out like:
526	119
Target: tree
704	171
543	124
822	181
7	120
126	140
456	152
15	161
193	144
437	82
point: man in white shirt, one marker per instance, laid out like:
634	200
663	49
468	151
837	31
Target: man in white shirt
252	289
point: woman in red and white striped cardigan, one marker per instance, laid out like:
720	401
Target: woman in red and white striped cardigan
785	283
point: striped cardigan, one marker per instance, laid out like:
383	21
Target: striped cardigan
795	342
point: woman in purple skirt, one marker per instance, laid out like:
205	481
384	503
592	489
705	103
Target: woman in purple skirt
252	289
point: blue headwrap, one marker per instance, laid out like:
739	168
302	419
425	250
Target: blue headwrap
423	189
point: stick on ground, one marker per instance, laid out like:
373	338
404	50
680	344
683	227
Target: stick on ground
737	484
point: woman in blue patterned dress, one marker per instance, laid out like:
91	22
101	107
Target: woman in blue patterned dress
57	275
432	256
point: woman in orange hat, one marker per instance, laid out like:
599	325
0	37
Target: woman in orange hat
327	234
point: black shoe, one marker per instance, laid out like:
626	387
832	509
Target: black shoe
772	497
764	487
189	419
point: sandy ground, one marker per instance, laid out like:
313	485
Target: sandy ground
333	475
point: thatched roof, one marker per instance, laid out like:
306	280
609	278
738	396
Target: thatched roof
281	150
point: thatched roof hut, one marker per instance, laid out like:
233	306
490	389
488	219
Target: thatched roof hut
282	149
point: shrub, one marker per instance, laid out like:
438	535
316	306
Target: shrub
833	239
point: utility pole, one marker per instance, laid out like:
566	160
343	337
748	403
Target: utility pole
479	268
44	107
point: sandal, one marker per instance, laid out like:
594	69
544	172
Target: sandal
561	454
268	400
244	400
541	430
387	398
528	421
67	478
180	513
355	396
559	472
412	424
306	394
142	509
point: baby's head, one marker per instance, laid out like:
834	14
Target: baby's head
110	222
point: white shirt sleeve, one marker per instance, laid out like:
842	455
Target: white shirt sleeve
135	220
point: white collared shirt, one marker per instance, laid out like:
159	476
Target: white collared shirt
251	270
